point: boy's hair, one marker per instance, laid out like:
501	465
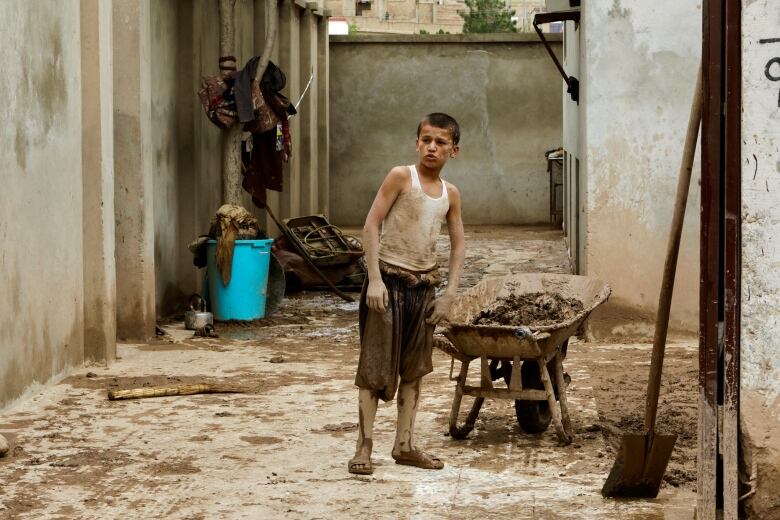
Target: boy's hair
440	120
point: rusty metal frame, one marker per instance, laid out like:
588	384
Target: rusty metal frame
733	259
720	258
572	83
709	292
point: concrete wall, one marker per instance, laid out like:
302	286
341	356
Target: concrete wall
503	90
43	253
109	178
134	180
638	69
760	354
169	179
174	187
97	152
574	189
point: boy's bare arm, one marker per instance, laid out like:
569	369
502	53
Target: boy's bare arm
392	186
441	306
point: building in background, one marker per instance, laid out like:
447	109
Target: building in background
421	16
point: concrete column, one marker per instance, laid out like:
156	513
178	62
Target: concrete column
308	111
323	115
289	61
97	155
133	170
760	302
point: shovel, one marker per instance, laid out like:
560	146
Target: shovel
642	459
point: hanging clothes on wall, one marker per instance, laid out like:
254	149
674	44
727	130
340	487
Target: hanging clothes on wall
265	111
272	82
263	166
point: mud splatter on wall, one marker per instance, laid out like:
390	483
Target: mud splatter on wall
760	363
638	65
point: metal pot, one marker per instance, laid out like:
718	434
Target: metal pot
197	317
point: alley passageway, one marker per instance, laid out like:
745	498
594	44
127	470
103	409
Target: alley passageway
280	450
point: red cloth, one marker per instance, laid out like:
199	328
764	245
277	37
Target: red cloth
264	169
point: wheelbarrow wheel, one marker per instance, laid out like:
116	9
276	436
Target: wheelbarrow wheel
532	416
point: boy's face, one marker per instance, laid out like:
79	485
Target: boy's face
435	146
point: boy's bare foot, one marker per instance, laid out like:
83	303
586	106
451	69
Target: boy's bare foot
418	459
361	464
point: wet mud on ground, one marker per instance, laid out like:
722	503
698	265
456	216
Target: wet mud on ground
280	451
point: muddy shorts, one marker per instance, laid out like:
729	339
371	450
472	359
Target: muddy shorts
397	342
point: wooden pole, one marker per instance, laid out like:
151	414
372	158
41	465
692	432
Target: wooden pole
231	138
670	266
162	391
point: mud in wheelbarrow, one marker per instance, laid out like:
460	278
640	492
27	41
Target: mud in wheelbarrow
531	356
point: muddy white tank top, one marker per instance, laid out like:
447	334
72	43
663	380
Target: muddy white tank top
412	226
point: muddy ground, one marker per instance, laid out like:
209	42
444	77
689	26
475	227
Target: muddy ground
280	450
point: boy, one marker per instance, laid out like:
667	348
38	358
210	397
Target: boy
398	308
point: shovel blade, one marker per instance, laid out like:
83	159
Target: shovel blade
639	467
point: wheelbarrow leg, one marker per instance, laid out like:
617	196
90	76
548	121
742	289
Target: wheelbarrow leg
561	384
463	431
554	410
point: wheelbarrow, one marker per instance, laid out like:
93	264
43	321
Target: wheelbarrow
531	356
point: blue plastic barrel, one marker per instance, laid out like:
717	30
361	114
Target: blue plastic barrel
244	297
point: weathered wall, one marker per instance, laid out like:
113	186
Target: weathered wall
638	74
136	163
760	354
186	146
574	189
133	176
503	90
97	152
172	157
41	266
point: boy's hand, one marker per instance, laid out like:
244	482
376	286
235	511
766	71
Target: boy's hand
376	296
439	308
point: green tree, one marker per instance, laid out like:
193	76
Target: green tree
487	16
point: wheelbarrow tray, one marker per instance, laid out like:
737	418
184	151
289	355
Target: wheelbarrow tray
542	344
506	342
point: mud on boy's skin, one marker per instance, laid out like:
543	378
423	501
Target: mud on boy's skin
398	307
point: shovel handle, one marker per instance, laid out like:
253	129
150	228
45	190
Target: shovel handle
670	265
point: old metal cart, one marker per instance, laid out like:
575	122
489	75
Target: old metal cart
528	355
325	244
